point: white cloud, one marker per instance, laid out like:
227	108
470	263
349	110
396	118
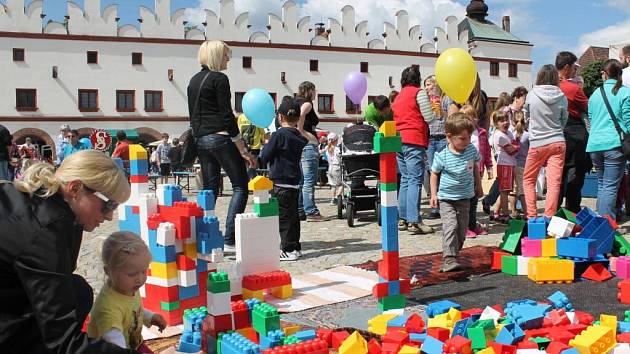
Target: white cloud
614	34
620	4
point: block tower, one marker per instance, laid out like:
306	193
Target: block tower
183	237
390	290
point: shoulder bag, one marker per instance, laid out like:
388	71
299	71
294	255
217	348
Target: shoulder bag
625	138
189	148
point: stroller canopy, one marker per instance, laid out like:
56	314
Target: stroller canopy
359	137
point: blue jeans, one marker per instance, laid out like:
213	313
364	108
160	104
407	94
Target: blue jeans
609	165
434	147
309	164
411	164
4	170
216	151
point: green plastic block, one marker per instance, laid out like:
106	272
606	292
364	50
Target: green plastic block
387	144
169	306
218	282
512	237
265	318
621	246
290	340
566	214
392	302
387	187
627	316
267	209
542	343
478	337
509	265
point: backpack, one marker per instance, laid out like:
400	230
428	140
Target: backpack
248	134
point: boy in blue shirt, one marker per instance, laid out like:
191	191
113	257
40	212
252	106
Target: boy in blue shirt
454	181
283	153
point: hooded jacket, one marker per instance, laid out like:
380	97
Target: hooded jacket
546	109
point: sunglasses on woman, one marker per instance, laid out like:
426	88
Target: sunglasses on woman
108	204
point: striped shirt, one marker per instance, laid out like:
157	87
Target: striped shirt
457	179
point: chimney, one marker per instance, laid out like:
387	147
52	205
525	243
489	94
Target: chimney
506	23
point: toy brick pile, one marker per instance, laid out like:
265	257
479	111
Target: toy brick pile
562	249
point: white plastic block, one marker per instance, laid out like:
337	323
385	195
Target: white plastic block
235	275
142	291
122	213
621	348
137	189
559	227
217	255
208	213
162	282
148	206
572	317
490	313
389	198
521	265
261	197
219	304
257	243
193	229
187	277
166	234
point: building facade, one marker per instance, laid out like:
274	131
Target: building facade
93	74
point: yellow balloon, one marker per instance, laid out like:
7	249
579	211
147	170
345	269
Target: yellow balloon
456	73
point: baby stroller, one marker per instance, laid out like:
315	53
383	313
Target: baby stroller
358	164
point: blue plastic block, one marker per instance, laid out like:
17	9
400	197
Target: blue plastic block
131	223
599	229
623	327
537	228
250	306
159	253
188	292
440	307
528	316
510	334
460	328
417	337
560	301
190	342
389	228
272	339
570	351
584	216
394	287
398	321
235	343
138	167
432	346
172	194
576	248
305	335
206	200
202	265
208	234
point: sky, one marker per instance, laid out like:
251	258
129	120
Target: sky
550	25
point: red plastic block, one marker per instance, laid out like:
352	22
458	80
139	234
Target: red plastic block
374	347
388	268
396	336
556	348
439	333
338	337
261	281
596	272
496	259
390	348
153	221
249	333
185	263
325	335
405	286
414	324
161	293
135	209
612	222
561	336
458	345
388	167
502	348
380	290
212	325
584	318
470	312
139	179
527	344
182	223
183	209
624	291
313	346
623	338
241	314
558	317
499	309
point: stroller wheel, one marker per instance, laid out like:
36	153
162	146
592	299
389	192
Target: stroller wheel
340	207
350	214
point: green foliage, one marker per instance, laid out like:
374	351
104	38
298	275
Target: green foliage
592	77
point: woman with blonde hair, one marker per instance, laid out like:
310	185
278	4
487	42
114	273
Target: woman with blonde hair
42	218
215	129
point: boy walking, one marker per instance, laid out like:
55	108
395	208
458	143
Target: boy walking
454	181
283	153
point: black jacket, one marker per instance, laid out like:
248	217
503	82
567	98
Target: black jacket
214	113
283	152
39	247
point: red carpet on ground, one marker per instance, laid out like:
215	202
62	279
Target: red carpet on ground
475	260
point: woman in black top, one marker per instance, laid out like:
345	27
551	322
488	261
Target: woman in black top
42	218
219	142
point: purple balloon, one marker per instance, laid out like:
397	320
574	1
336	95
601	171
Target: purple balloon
355	85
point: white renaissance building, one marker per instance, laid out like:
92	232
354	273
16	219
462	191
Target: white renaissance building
93	74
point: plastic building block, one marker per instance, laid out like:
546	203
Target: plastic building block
576	248
169	306
138	167
163	270
432	346
257	243
542	343
137	152
265	318
548	270
623	267
510	334
549	247
621	246
388	128
458	345
305	335
206	199
599	229
440	307
621	348
354	344
392	302
597	272
512	236
408	349
240	314
595	339
499	348
313	346
266	280
491	313
282	292
215	324
388	168
439	333
388	268
387	187
261	197
559	227
190	342
272	339
537	228
269	209
218	282
609	321
496	259
260	183
509	265
384	144
414	324
337	338
522	264
389	228
556	347
531	247
235	343
624	291
584	216
378	324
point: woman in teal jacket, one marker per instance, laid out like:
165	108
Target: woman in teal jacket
604	143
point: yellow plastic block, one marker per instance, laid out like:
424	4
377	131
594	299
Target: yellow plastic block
260	183
549	247
354	344
594	340
190	250
137	152
549	270
439	322
488	350
250	294
388	128
454	315
164	270
407	349
289	330
282	292
610	322
378	324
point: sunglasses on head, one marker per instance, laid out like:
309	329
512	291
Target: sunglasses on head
108	204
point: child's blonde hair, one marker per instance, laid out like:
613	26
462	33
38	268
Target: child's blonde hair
499	116
520	126
117	248
469	110
458	123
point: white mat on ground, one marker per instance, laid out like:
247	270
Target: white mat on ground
330	286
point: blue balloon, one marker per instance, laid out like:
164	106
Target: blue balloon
258	107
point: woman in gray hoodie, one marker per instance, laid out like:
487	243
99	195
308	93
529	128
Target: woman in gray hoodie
546	109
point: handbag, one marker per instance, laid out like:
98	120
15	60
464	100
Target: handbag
189	148
625	138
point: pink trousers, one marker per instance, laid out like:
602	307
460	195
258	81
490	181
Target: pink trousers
551	156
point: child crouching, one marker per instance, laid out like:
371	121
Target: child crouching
454	181
117	316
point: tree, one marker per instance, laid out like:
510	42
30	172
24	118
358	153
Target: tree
592	75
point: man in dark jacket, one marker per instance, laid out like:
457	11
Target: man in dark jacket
5	147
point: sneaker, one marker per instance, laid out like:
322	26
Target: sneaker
302	217
288	256
471	234
480	230
299	253
229	248
485	206
433	215
450	264
419	228
316	218
402	225
334	201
